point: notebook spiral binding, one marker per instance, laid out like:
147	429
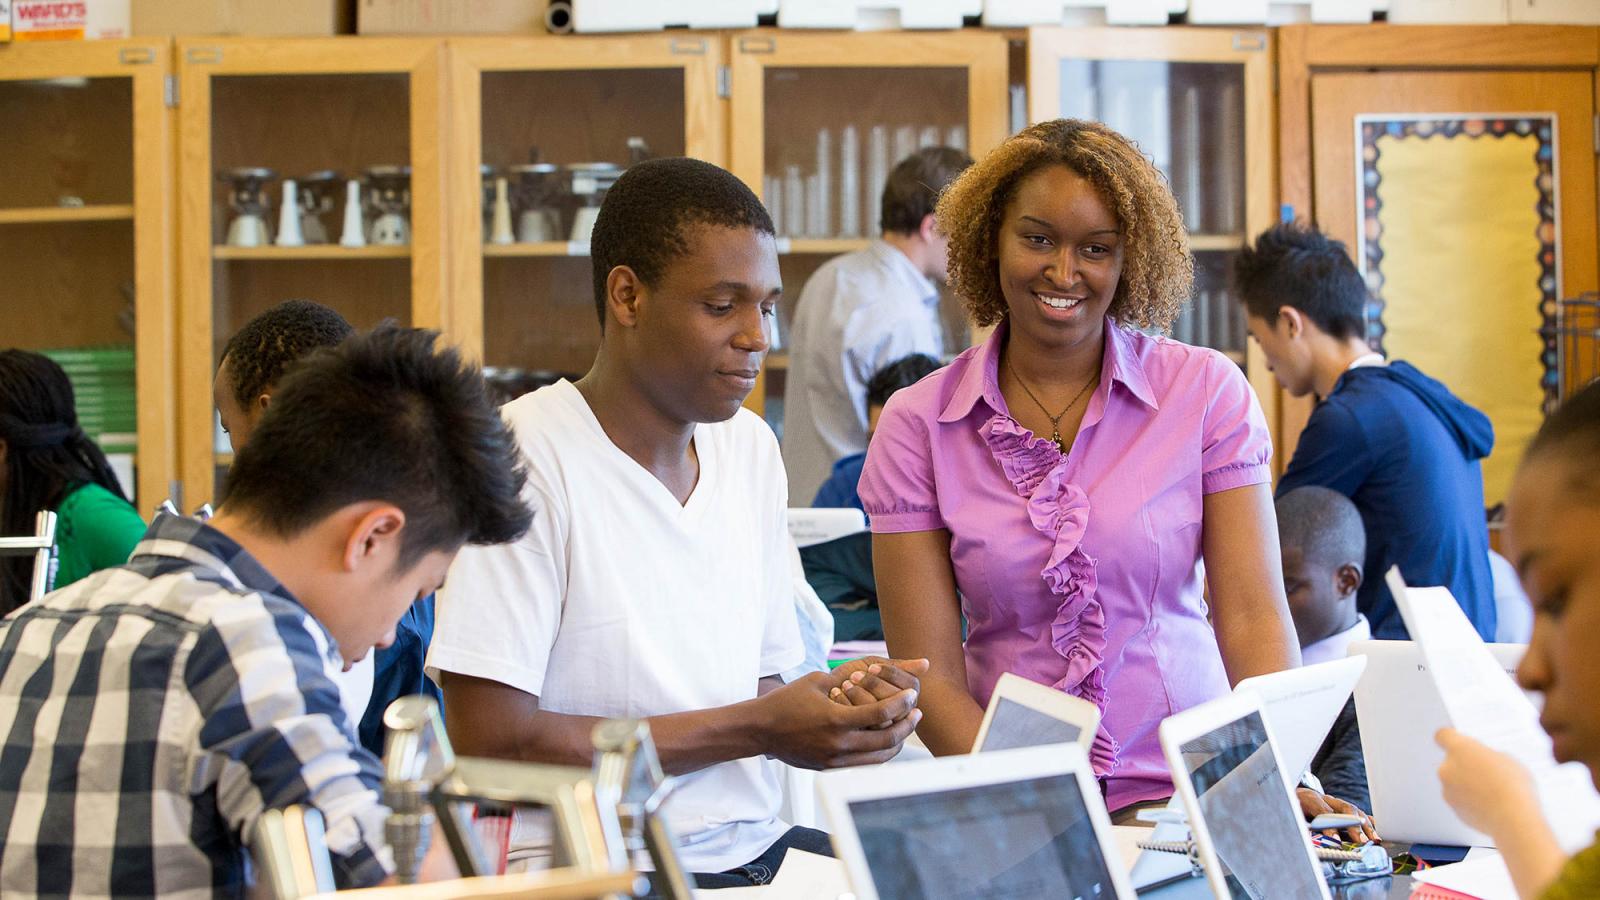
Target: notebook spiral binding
1187	848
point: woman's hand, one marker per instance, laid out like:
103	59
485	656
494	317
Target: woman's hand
1495	794
1485	787
1315	803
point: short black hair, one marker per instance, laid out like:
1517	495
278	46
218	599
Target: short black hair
902	373
1573	432
914	185
267	345
1293	264
387	416
642	220
1324	524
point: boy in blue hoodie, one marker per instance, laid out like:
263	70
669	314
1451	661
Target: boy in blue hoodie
1403	448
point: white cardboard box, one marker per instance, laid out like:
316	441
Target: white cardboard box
69	20
5	21
1449	12
1556	12
1022	13
876	14
598	16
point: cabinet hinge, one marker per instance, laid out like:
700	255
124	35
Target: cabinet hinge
724	82
1597	134
169	90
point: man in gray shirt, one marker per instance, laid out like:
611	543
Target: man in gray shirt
860	312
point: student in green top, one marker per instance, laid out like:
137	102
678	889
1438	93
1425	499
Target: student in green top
1552	516
47	462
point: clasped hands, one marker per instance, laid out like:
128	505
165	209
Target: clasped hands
859	714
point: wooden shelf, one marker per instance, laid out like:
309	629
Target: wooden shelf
1199	242
313	251
44	214
828	246
540	248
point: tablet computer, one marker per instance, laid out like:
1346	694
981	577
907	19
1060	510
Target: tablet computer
1248	831
1024	713
1010	823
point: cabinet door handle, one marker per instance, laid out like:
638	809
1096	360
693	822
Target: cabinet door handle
758	45
204	55
136	56
1249	41
687	47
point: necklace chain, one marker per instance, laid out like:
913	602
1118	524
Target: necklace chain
1055	420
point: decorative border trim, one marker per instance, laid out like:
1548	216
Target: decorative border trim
1369	200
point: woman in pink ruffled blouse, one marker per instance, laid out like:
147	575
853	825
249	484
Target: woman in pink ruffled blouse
1071	483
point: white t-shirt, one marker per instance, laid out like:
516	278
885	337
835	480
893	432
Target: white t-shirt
621	602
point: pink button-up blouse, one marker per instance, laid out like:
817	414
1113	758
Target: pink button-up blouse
1083	570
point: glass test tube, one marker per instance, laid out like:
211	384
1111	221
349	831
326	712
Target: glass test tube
824	197
849	183
794	203
877	176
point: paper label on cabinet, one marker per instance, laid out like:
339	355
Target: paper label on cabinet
69	20
5	21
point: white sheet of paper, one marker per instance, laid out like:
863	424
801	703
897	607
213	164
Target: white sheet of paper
1483	703
808	876
1127	838
1484	877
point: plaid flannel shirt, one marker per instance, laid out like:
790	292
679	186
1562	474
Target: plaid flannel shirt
151	712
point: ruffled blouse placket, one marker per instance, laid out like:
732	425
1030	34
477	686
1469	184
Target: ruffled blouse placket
1059	510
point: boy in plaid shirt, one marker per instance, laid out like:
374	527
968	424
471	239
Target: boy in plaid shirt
151	712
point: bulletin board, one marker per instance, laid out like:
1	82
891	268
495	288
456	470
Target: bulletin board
1458	240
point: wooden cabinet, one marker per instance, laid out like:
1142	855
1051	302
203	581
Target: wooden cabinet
1198	102
526	302
86	235
818	120
1457	163
298	107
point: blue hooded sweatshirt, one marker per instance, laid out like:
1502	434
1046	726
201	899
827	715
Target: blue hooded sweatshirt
1406	451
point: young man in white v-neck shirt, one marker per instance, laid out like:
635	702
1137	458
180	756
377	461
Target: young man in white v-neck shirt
655	581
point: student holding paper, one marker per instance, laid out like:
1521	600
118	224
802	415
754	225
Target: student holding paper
1553	513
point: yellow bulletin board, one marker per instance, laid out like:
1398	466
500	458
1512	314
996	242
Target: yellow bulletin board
1458	243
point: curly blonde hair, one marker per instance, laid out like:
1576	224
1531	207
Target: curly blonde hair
1157	269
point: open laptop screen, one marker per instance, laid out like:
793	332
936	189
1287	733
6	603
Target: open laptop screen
1015	725
1023	839
1257	834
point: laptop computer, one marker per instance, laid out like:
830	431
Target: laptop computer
1400	711
1247	827
1024	713
1018	823
1302	705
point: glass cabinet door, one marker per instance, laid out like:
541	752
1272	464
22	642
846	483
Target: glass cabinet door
541	127
85	240
1198	103
819	121
310	170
